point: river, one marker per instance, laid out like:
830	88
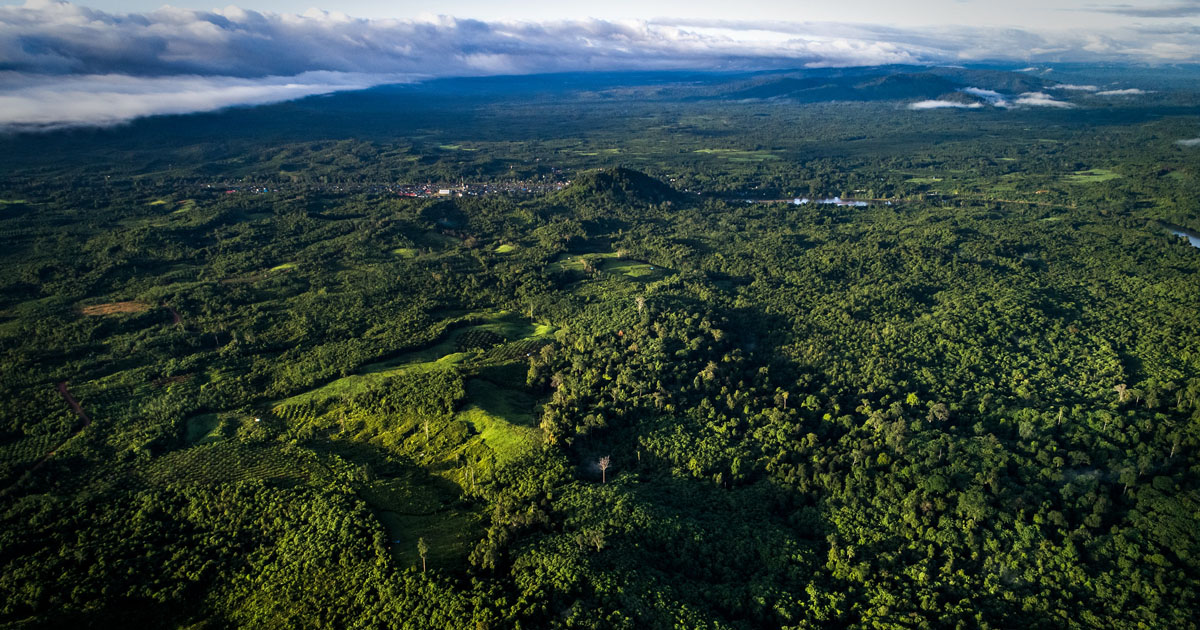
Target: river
1192	237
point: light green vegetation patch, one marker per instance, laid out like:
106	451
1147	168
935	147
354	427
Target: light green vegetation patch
414	505
283	267
441	355
610	263
405	252
10	202
449	537
185	206
923	180
504	419
634	269
158	202
738	155
579	262
375	374
1092	176
203	429
505	248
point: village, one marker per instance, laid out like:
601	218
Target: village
428	189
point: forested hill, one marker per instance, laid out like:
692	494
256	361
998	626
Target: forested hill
618	186
460	370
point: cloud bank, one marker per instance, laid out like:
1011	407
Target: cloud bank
31	101
991	96
940	104
1040	99
1124	92
64	64
1188	8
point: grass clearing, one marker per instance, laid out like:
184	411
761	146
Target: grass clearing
610	263
114	308
739	155
506	440
449	536
370	376
203	429
579	262
441	355
185	206
634	269
503	418
1092	176
923	180
157	202
405	252
283	267
505	248
11	202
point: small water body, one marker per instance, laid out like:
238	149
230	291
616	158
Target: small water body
1193	239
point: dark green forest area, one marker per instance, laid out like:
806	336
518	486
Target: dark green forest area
246	383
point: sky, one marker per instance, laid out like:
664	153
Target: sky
109	61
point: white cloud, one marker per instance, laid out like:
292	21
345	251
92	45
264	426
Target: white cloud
1076	88
55	53
40	102
1191	142
1125	92
991	96
939	104
1040	99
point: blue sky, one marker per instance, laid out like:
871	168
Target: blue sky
108	61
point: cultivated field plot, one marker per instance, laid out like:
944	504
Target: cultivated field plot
225	463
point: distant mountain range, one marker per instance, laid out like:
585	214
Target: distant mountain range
435	108
883	83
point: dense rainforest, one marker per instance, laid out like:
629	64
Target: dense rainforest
606	353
